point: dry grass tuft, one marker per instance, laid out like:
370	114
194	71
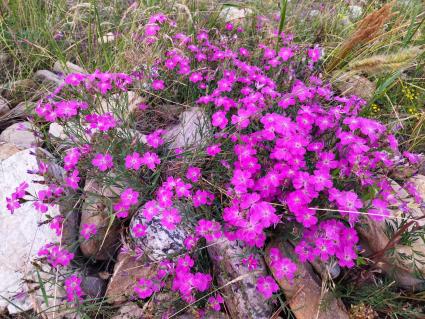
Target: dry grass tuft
367	30
388	63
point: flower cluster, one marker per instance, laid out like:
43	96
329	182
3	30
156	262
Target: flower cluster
13	202
73	288
56	256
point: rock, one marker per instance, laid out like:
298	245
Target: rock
20	90
232	14
374	233
20	135
127	271
304	293
93	286
4	106
159	242
242	298
192	130
22	233
125	104
7	150
95	210
57	131
354	84
355	11
48	79
67	68
22	110
129	310
107	38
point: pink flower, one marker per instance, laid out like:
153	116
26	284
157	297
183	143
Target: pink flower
214	302
267	286
158	85
154	139
213	150
219	119
129	197
193	174
73	179
88	230
196	77
314	54
209	229
151	160
145	288
170	218
133	161
73	288
139	230
103	161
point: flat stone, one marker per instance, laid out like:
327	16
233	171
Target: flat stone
129	310
304	293
242	298
67	68
159	242
105	243
354	84
22	233
20	135
93	286
7	150
193	130
48	79
127	271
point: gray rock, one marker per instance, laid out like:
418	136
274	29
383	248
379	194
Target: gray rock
95	211
7	150
22	233
48	79
130	310
159	242
354	84
93	286
193	130
20	135
400	263
67	68
242	298
304	293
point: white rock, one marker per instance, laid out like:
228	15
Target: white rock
159	242
107	38
233	13
355	12
22	233
192	130
48	78
7	150
67	68
20	135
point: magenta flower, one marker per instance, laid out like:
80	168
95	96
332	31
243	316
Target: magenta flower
129	197
267	286
151	160
213	150
103	161
88	230
158	85
133	161
73	288
139	230
193	174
